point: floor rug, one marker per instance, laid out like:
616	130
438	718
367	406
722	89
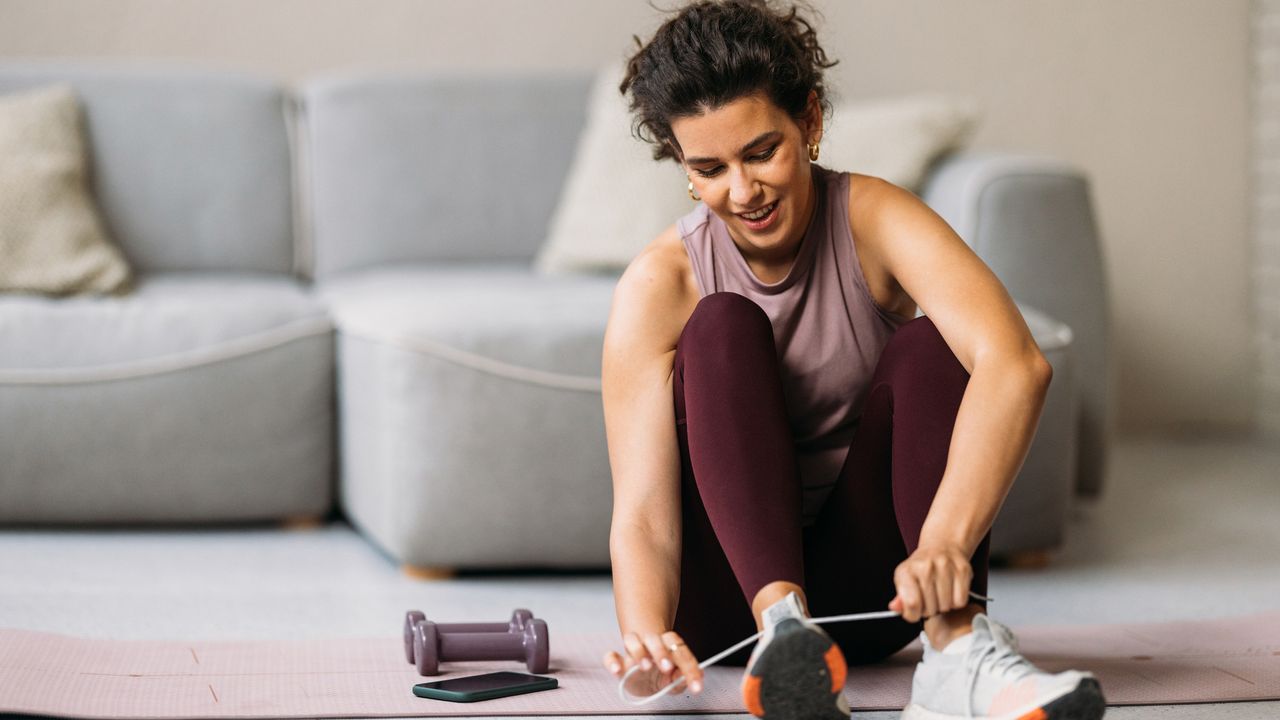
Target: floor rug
1224	659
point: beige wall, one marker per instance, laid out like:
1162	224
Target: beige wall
1150	97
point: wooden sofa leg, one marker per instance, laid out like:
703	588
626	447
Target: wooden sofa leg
418	572
1024	560
301	522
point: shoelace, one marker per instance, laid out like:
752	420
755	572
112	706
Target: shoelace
633	700
1003	657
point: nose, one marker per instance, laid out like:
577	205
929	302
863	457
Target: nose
744	190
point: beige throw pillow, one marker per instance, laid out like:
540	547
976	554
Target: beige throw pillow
897	138
51	238
617	199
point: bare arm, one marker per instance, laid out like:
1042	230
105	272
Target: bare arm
1002	403
645	321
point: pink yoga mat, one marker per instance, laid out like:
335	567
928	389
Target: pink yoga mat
48	674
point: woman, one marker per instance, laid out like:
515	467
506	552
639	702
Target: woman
786	441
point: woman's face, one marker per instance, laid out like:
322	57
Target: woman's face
750	156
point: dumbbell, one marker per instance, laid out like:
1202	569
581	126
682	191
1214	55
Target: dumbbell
519	618
525	638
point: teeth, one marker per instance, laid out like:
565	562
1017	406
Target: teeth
762	212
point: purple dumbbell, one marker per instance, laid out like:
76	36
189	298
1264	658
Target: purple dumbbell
519	618
524	638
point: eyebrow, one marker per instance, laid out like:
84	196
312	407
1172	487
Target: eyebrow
761	138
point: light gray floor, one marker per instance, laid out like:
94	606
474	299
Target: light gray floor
1187	529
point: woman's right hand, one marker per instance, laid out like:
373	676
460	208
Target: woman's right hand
659	664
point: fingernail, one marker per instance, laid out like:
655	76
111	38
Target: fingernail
666	665
615	667
645	664
695	686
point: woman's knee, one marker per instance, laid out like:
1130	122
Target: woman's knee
727	316
919	334
917	348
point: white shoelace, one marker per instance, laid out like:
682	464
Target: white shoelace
633	700
1004	658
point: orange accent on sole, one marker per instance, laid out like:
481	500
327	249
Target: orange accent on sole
751	695
1037	714
835	663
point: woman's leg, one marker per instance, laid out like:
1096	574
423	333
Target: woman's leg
739	479
871	521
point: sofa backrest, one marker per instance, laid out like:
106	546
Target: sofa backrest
191	168
415	168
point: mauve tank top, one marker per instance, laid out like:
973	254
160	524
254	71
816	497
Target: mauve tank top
828	330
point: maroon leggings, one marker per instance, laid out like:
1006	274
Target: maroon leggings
741	491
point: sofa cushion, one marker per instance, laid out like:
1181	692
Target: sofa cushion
191	167
472	393
424	168
197	397
502	319
51	237
171	321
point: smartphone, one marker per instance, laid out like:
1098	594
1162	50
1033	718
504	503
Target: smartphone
484	687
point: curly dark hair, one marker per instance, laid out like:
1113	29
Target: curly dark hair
716	51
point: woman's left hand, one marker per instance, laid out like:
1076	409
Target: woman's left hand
934	579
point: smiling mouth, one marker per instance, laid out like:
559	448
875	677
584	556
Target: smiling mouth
760	214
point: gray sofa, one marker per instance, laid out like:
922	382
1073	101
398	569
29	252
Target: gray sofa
206	395
458	388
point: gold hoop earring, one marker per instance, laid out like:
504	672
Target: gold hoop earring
813	152
692	195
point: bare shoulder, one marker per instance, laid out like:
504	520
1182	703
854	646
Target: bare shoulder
868	195
869	199
655	295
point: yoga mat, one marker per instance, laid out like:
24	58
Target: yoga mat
56	675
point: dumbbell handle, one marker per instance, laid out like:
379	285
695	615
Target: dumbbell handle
445	628
481	646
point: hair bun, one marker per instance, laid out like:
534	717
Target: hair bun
715	51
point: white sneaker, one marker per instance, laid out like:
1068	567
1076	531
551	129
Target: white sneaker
982	675
796	671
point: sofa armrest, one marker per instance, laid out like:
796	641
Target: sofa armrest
1031	221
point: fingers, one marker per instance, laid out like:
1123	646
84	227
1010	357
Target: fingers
944	584
929	596
613	663
685	662
651	651
917	588
637	650
648	680
909	592
661	655
932	580
653	643
951	580
961	584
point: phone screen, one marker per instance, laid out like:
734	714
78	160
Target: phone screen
488	681
484	687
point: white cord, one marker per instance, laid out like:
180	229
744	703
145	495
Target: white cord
632	700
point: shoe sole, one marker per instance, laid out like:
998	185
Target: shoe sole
1084	702
799	676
